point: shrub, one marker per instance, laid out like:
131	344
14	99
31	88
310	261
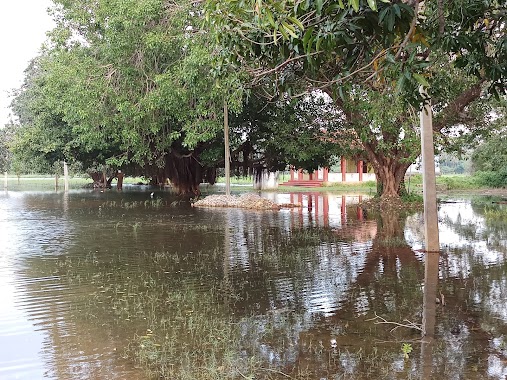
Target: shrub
492	179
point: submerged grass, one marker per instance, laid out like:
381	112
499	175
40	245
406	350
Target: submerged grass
194	340
495	214
149	203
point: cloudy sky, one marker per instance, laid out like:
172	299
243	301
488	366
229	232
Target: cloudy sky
23	26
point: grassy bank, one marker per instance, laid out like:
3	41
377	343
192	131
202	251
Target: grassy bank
413	184
447	182
45	182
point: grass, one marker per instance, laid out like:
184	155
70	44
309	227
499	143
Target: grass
413	184
46	182
495	214
444	182
149	203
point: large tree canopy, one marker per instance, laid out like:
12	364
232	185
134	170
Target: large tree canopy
126	82
371	58
132	84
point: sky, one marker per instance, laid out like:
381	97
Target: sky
23	27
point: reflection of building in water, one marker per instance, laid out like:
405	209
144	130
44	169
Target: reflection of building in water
319	209
335	261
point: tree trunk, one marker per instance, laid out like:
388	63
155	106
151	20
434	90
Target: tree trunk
390	179
98	180
185	173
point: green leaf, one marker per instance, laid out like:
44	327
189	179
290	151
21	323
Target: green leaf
290	29
372	4
391	19
298	23
306	38
400	84
383	14
319	4
283	31
270	18
355	4
421	80
397	10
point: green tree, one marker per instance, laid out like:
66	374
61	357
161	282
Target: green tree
5	154
128	82
360	51
491	155
272	135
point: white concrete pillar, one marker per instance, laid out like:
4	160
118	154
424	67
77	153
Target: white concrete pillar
429	181
66	176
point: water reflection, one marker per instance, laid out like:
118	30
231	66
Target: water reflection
111	285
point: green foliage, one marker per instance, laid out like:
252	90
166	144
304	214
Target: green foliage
406	348
492	178
327	43
126	82
491	156
5	155
331	43
294	132
371	58
458	182
473	33
451	164
446	182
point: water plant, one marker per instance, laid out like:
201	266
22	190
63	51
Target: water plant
406	348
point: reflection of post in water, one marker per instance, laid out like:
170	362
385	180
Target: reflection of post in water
300	201
317	207
360	210
310	208
325	207
343	210
429	312
65	202
227	258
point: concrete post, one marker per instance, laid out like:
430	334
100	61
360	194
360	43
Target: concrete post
65	176
5	180
227	153
429	181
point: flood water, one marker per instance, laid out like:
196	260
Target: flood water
124	286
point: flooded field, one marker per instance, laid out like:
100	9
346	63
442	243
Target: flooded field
127	286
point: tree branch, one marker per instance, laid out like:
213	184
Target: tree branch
451	114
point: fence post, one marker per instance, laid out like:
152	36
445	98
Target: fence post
65	176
